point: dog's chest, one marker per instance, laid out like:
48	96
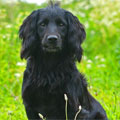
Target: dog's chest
45	101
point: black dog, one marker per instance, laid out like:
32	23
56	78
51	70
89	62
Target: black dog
51	44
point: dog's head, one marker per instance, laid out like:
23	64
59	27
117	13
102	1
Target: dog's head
51	30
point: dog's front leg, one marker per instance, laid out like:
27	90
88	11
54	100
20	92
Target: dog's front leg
31	114
95	110
92	114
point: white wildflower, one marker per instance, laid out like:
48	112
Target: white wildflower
97	57
80	107
90	87
79	110
20	64
65	96
66	102
87	7
17	74
89	61
102	59
92	32
41	116
8	26
88	65
4	36
86	25
81	14
114	13
84	57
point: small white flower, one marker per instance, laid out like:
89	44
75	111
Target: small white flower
89	61
17	74
20	64
4	36
90	87
41	116
80	107
8	26
102	59
84	57
114	13
65	96
79	110
97	57
87	7
88	66
86	25
82	14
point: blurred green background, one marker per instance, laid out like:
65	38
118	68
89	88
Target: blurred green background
100	63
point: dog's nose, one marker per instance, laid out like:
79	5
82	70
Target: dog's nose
52	38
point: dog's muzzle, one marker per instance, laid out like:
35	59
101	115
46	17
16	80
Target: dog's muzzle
51	43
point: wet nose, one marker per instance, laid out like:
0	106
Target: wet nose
52	38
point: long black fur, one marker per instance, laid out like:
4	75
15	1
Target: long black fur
50	75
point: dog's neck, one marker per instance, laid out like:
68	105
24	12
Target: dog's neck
49	69
50	61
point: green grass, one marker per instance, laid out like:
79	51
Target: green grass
100	63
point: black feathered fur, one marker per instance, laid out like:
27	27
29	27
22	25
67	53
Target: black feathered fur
51	47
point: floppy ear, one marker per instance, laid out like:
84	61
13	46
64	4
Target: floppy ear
28	33
76	35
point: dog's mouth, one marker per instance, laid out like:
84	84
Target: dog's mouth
51	48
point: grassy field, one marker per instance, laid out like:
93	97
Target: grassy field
100	63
